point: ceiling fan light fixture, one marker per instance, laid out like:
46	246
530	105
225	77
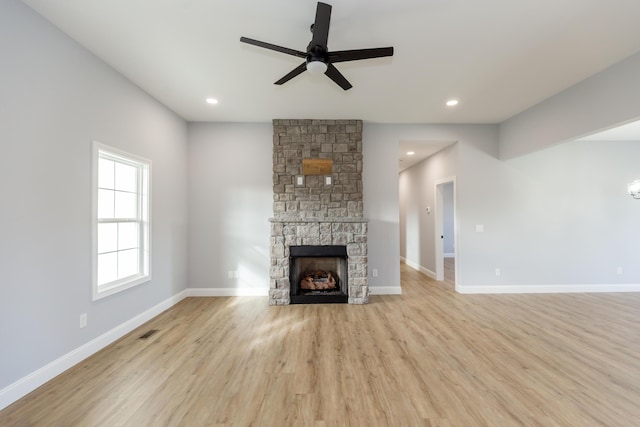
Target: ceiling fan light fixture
316	67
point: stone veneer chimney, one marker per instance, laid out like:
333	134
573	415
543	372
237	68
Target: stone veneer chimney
313	213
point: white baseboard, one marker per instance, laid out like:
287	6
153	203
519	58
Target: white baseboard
546	289
418	267
227	292
385	290
27	384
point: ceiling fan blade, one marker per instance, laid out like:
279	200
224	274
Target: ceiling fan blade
335	75
321	25
357	54
273	47
296	71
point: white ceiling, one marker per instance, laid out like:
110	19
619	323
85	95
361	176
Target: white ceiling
498	57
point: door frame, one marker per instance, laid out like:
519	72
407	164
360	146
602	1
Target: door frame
439	226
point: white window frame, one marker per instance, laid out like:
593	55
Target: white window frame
143	219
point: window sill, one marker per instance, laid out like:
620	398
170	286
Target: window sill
112	288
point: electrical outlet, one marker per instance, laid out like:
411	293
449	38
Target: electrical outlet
498	272
374	272
230	274
235	274
83	320
620	271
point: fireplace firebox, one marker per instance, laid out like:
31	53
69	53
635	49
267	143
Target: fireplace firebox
318	274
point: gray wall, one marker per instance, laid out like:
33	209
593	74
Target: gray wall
230	203
607	99
448	219
380	186
477	145
560	216
55	99
417	192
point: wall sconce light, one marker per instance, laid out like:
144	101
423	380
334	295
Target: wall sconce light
634	189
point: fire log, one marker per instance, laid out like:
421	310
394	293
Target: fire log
317	280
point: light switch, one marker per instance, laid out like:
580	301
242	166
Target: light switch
479	228
327	180
300	180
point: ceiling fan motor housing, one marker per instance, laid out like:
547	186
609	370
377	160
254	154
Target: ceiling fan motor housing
316	53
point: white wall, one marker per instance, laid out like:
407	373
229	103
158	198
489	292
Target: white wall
230	203
55	99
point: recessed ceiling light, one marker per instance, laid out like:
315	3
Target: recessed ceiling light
452	103
212	101
410	153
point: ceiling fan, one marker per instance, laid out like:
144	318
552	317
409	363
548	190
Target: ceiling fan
318	59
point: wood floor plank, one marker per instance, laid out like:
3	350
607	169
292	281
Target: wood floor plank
428	357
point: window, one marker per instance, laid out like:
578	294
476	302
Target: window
121	220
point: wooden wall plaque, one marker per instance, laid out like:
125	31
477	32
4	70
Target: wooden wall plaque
317	166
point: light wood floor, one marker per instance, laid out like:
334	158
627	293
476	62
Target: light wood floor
429	357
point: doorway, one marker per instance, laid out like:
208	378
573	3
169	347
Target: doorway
445	230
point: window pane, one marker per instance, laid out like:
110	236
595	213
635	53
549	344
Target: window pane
105	203
126	205
127	263
107	238
107	268
106	173
145	194
126	178
127	235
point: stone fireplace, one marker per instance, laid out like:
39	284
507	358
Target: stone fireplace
318	233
